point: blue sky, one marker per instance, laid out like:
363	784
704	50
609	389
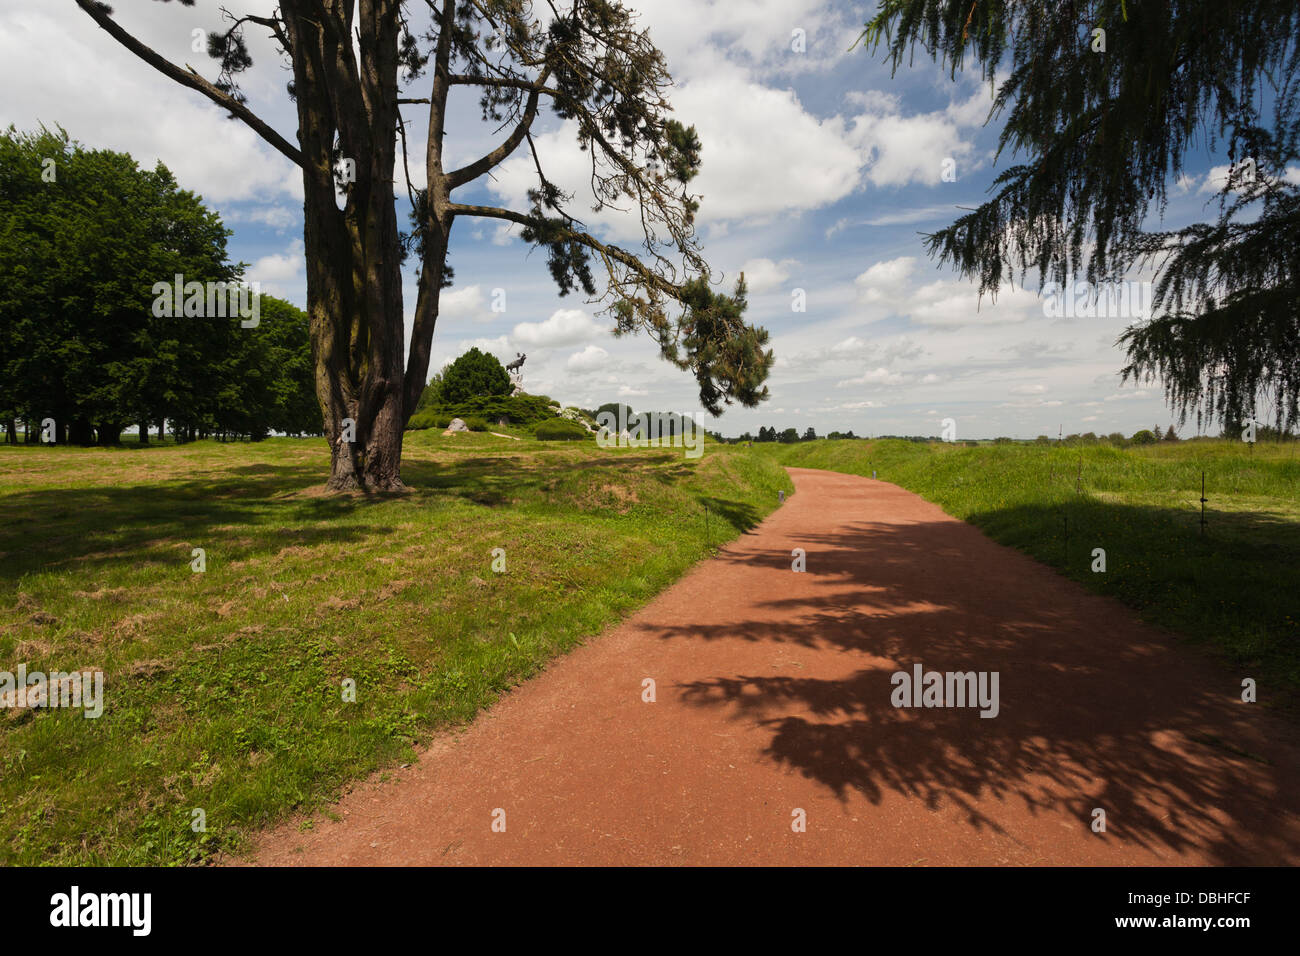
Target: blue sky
820	172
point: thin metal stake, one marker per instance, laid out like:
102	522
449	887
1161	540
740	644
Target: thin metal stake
1202	504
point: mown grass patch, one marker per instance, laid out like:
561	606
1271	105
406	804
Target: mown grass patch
223	689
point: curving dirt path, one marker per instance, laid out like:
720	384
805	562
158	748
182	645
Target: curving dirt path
773	693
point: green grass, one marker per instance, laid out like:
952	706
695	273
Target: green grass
223	689
1235	589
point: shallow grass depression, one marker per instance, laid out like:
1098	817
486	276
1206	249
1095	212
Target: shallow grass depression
325	636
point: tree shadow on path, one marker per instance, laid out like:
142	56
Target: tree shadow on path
1096	711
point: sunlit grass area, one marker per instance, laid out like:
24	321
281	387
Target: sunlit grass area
224	689
1234	586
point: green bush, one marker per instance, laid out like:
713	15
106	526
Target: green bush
517	410
524	410
560	430
475	423
1144	437
428	418
432	394
475	374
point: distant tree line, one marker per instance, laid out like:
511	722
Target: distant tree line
1145	436
85	236
662	424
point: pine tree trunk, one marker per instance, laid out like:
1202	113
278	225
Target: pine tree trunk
354	290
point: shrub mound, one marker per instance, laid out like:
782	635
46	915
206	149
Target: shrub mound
560	430
526	410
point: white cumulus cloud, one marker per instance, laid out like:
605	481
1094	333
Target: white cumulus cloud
588	360
564	327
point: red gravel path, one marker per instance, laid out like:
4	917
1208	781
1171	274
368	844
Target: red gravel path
774	694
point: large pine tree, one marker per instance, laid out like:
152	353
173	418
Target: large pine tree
1105	124
358	76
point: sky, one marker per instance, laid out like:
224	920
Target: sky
821	173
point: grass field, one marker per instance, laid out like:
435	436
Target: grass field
223	689
1235	588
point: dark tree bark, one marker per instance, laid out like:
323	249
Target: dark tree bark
81	432
353	255
110	433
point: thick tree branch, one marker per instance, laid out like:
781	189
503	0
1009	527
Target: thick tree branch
649	277
502	82
438	99
459	177
191	78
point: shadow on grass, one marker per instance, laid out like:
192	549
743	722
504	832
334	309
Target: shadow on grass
260	507
49	529
1096	710
1231	586
740	516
